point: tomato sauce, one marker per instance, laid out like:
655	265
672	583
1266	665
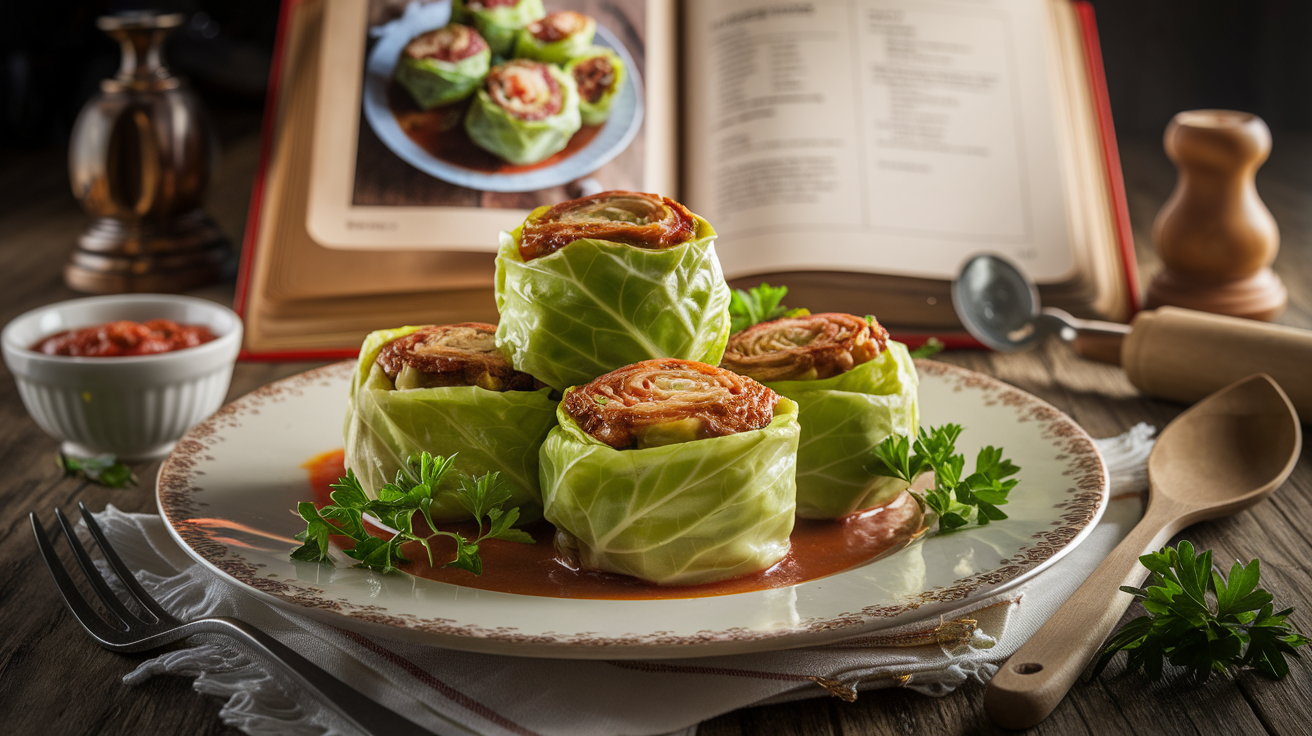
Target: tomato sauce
819	548
441	132
114	339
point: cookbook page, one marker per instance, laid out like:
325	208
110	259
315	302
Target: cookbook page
884	136
410	152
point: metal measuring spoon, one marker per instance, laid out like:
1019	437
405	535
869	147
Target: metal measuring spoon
999	306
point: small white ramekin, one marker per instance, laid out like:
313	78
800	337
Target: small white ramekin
134	406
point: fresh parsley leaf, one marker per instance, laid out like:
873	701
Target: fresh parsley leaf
933	346
103	469
954	499
759	304
484	497
1234	626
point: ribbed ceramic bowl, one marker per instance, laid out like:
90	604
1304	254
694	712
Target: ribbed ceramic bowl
136	406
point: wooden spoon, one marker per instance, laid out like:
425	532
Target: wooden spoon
1225	454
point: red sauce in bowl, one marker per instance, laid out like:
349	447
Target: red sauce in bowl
114	339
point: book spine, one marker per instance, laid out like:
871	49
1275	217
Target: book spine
1107	131
251	236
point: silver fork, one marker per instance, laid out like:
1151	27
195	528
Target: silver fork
154	628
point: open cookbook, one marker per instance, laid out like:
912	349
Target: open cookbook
857	151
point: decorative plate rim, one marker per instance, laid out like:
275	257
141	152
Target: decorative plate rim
179	475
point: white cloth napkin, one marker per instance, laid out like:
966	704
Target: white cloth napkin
455	692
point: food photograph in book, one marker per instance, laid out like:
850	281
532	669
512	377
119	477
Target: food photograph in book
500	103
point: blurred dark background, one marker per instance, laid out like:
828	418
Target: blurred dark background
1161	56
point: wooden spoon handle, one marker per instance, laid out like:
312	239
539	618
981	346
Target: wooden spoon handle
1036	678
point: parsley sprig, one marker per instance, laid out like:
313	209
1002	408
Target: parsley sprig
1235	626
103	469
759	304
955	498
933	346
484	498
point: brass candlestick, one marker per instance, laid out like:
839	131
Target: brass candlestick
140	159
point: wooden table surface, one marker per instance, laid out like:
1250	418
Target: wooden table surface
53	680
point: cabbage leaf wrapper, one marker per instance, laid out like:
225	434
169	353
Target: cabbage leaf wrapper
556	38
598	73
678	514
595	305
487	431
499	21
443	66
842	419
526	112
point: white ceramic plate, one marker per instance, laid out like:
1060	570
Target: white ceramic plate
621	126
229	489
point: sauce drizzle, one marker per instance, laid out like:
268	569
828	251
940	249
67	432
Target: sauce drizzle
819	548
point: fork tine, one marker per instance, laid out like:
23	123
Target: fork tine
94	576
123	571
96	626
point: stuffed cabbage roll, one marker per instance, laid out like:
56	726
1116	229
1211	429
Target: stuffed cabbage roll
672	471
448	390
596	283
499	21
854	387
443	66
598	73
525	112
556	38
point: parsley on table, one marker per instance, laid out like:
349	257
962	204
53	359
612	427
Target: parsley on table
484	498
955	498
759	304
933	346
1235	626
103	469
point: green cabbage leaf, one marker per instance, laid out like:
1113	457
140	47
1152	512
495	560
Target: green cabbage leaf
595	113
843	418
487	431
500	25
556	52
524	142
432	82
678	514
594	306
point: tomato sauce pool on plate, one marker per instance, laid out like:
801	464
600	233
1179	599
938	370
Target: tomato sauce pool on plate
819	548
114	339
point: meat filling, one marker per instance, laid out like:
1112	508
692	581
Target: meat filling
804	348
632	218
595	77
451	355
525	89
450	44
557	26
666	401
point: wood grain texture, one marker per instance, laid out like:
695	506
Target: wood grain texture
53	680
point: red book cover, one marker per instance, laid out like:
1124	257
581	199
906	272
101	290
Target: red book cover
1098	84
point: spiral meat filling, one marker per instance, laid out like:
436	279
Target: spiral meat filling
557	26
451	43
632	218
595	77
667	401
451	355
525	89
804	348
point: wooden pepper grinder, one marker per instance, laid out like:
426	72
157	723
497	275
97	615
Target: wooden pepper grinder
140	160
1215	237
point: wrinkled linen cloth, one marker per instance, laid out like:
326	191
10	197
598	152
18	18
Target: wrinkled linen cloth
452	692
